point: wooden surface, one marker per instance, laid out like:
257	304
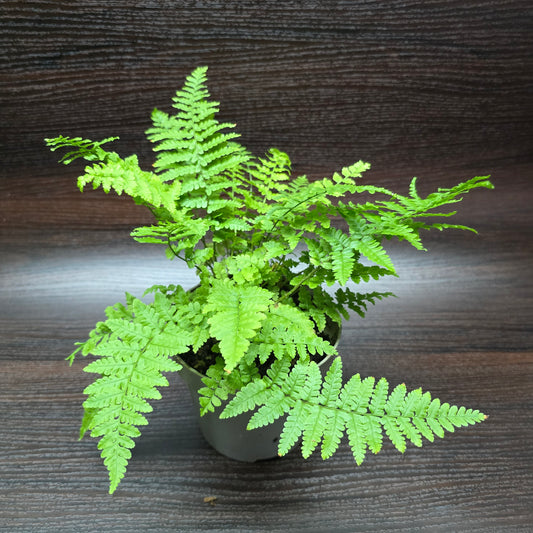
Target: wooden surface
441	90
436	89
460	328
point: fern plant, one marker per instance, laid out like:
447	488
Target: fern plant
265	251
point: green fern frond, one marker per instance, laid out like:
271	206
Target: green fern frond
178	236
367	272
236	224
247	268
319	304
356	170
451	195
342	255
191	146
347	299
286	332
373	250
132	358
219	385
85	148
399	216
235	314
268	174
320	410
112	173
101	331
303	206
412	190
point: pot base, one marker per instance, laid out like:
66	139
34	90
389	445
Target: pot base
229	436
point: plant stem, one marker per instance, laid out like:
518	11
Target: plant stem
296	287
171	248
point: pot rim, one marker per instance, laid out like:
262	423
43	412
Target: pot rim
194	371
323	361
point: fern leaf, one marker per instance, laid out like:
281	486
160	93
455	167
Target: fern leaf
293	427
236	224
116	454
355	170
248	398
423	428
287	332
313	430
411	401
217	387
320	411
395	434
131	361
334	427
190	146
355	429
111	172
373	431
373	250
346	299
88	415
342	255
267	175
379	398
395	401
275	405
84	148
412	190
409	430
236	313
332	383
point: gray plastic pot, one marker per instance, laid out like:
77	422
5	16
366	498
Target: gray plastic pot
229	436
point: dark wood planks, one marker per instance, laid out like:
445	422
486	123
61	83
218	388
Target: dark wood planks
429	88
460	328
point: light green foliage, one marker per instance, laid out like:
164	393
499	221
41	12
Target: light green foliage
264	248
192	149
320	410
132	353
111	172
237	315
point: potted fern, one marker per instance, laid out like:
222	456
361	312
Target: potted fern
251	336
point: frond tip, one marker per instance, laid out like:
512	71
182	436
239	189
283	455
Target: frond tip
320	411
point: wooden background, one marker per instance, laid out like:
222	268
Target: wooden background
438	89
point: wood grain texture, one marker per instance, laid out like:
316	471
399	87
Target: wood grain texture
460	327
441	90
